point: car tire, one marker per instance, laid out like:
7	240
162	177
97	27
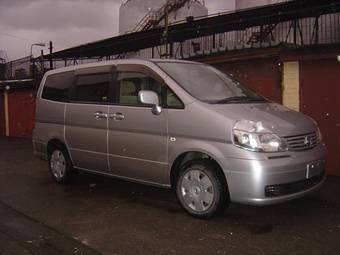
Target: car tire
201	189
60	165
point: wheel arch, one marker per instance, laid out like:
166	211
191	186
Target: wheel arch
55	142
189	155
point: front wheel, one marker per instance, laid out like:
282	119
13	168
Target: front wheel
201	190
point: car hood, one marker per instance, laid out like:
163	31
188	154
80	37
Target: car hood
275	117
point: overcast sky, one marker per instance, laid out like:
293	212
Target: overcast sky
65	22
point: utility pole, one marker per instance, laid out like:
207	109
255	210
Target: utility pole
32	59
51	51
42	64
165	36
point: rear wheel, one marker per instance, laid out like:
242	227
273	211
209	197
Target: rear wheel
201	190
60	165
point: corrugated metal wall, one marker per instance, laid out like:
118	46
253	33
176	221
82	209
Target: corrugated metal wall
320	99
262	75
21	111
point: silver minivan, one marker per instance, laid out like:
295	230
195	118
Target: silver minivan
180	125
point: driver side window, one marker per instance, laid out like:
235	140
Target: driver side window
130	83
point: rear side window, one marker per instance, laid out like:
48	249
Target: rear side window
57	87
92	88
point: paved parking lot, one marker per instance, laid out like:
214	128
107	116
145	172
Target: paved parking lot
96	215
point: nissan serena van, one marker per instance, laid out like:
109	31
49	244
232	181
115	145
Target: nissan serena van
180	125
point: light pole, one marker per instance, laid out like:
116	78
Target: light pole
36	44
31	57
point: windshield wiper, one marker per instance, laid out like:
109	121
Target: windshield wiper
239	99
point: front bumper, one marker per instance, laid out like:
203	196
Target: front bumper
275	179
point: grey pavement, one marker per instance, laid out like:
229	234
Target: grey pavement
108	216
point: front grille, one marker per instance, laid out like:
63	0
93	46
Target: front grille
293	187
302	142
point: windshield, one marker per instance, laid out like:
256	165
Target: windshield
208	84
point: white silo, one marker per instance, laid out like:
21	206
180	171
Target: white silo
242	4
131	12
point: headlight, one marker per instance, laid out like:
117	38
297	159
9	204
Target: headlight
318	132
253	136
318	135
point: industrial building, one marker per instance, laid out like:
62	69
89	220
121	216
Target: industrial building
285	50
136	15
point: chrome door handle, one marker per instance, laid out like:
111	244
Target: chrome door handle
100	115
117	116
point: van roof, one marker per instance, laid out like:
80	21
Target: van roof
115	62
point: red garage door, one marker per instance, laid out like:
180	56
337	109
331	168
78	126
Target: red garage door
21	111
2	114
320	99
262	75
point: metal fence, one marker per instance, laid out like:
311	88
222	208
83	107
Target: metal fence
320	30
25	67
20	68
303	32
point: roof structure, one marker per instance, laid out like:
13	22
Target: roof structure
190	29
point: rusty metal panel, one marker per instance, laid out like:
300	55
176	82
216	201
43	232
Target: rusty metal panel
21	111
320	99
2	114
262	75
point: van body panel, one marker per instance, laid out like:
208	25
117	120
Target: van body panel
199	122
86	136
50	112
42	134
49	125
247	179
136	151
277	118
142	146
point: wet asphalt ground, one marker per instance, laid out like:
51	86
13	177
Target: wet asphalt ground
96	215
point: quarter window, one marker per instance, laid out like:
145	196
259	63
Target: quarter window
92	88
57	87
172	101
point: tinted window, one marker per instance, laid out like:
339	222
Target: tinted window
92	88
57	86
130	83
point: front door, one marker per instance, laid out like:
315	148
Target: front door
137	139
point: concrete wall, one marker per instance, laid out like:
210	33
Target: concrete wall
193	9
242	4
222	6
291	85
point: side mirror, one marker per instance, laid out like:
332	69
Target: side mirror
151	98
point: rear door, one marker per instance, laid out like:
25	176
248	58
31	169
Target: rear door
137	139
86	119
